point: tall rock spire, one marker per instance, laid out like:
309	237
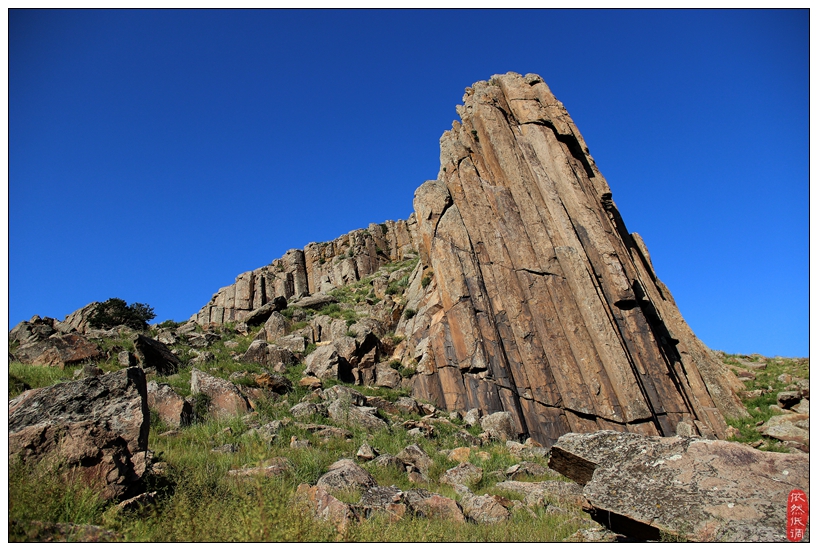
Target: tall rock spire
541	303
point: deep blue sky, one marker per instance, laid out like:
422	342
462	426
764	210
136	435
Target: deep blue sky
155	155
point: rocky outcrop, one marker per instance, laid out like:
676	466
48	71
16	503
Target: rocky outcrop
319	267
538	301
699	490
96	427
58	350
530	297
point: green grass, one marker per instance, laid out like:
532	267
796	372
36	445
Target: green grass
35	376
759	407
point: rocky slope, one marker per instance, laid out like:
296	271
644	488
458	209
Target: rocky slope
531	295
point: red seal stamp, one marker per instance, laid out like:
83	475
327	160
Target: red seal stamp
797	515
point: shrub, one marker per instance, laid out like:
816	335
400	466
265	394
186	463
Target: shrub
116	311
409	313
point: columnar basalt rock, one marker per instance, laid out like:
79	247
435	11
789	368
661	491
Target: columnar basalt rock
530	296
320	267
543	304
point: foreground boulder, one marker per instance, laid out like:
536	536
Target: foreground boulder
96	428
699	490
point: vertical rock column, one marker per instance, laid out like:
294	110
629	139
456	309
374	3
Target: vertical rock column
548	308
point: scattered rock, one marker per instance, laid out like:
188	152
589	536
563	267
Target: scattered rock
307	409
430	505
274	382
342	412
47	532
459	454
137	503
325	507
465	474
126	359
413	455
272	468
792	427
366	452
268	355
485	509
325	363
788	399
389	461
225	448
386	376
310	382
527	469
546	492
344	474
500	426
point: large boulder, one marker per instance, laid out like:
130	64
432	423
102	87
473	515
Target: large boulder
275	327
791	428
500	426
172	408
59	350
325	363
96	427
700	490
345	474
225	400
341	411
152	353
268	355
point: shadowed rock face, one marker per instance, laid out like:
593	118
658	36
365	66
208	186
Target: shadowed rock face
543	304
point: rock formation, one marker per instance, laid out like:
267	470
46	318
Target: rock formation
97	427
531	297
542	303
319	267
689	488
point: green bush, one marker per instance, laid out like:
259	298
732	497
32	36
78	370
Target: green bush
116	311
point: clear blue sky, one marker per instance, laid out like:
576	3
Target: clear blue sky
155	155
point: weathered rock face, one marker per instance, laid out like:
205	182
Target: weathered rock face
98	426
701	490
542	303
320	267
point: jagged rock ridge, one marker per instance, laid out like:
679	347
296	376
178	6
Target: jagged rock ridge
318	267
531	296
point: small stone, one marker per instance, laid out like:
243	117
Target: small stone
366	452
